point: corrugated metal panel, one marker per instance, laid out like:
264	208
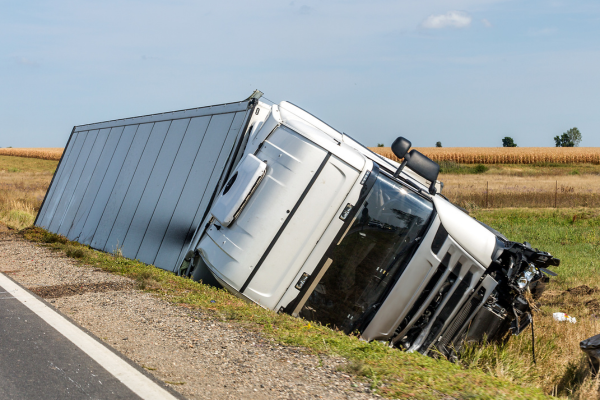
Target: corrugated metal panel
143	184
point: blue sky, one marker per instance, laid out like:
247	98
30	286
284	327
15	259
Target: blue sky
464	72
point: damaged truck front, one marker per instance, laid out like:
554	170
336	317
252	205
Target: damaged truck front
313	224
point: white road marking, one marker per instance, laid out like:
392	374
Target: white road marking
129	376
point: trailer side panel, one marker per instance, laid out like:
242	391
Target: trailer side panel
142	185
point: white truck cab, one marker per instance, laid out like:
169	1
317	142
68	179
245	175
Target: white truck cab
323	228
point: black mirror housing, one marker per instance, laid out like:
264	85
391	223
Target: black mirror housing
423	166
400	147
416	161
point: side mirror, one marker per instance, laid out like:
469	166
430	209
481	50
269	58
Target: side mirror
416	161
400	147
425	167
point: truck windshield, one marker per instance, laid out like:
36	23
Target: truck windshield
371	257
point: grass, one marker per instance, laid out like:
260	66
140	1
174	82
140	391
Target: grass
573	235
23	184
27	165
391	373
490	371
451	167
500	186
545	169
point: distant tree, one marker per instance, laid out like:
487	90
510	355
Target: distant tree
438	144
570	138
508	142
380	145
563	141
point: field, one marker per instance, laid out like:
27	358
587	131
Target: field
571	234
45	153
23	184
489	190
531	183
505	155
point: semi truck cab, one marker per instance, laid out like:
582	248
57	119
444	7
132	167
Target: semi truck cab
314	224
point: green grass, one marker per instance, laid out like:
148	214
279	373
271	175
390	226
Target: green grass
452	167
533	170
22	164
391	373
572	235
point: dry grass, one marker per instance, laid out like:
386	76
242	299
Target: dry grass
23	185
505	155
499	191
573	236
48	153
561	368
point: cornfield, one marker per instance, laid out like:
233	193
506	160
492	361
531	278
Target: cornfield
505	155
48	153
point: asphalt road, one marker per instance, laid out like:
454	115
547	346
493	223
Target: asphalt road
45	356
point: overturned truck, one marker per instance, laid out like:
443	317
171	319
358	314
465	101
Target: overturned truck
283	210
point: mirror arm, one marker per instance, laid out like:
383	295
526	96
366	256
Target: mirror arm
401	167
432	189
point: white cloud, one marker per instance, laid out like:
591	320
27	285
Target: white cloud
26	62
452	19
486	23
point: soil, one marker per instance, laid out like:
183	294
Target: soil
593	305
582	290
200	357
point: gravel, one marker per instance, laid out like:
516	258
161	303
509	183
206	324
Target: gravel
199	356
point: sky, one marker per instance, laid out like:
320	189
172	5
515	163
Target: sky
463	72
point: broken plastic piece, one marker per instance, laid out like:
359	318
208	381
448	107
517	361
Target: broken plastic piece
560	316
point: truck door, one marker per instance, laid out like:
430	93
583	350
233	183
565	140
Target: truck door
261	252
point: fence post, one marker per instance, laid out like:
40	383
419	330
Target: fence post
556	195
487	192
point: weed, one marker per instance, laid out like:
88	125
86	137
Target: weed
54	238
354	367
574	376
480	169
74	252
449	167
118	251
452	167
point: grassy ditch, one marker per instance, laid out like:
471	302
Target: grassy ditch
573	235
391	373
